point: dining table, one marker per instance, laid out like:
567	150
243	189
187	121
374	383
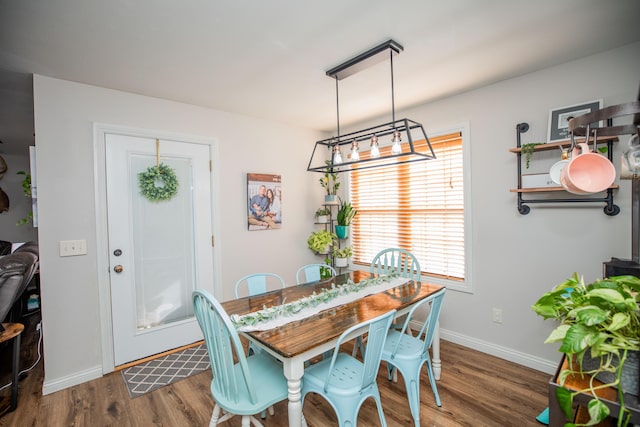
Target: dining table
300	340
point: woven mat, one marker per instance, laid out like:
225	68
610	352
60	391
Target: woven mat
165	370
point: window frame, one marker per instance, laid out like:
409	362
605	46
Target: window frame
465	285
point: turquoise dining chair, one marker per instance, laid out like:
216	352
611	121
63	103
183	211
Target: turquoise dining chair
396	260
388	261
311	273
344	381
246	387
258	283
408	353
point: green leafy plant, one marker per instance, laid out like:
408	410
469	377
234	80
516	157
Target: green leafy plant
26	189
330	181
325	271
345	252
527	150
323	212
346	213
318	241
601	318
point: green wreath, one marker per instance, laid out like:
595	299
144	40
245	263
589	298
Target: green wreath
158	183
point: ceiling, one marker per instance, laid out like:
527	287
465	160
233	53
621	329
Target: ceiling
267	59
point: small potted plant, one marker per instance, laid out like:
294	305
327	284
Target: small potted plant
598	321
321	241
325	271
331	183
342	256
322	215
346	213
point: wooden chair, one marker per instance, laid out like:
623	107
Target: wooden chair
245	388
344	381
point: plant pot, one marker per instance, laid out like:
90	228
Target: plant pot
330	198
326	250
630	378
342	231
323	219
341	262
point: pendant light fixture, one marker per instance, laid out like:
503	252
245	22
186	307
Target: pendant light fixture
397	142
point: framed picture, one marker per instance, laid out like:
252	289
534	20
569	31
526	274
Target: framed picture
559	119
264	201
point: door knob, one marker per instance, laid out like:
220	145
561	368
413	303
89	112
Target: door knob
118	269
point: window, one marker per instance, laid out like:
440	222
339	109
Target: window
417	206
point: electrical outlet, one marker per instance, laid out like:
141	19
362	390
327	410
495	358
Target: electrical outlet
497	315
73	247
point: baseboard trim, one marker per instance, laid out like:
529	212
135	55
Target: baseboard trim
49	387
524	359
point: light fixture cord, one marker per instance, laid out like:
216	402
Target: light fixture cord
337	109
393	102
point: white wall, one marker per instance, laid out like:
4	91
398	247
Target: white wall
516	258
64	115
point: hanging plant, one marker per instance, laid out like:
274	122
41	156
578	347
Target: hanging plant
527	150
158	183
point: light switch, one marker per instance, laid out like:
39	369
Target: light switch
73	247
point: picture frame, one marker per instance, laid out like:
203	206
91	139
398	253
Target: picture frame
264	201
559	119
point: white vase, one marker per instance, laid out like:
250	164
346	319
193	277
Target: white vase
341	262
323	219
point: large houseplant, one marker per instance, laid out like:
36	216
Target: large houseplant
600	320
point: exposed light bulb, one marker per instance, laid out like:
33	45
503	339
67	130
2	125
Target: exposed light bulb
337	156
375	152
355	156
395	148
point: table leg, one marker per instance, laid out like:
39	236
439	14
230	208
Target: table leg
435	349
14	374
293	370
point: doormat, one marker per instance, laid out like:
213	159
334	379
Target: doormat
152	375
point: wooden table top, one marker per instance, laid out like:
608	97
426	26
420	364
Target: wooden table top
299	336
11	330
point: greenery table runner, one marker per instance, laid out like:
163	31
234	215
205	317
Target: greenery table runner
273	317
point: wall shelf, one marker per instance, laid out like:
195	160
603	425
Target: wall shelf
610	208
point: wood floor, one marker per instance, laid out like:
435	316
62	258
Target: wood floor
476	390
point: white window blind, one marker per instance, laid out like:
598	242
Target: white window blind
415	206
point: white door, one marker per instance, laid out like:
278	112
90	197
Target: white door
160	251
